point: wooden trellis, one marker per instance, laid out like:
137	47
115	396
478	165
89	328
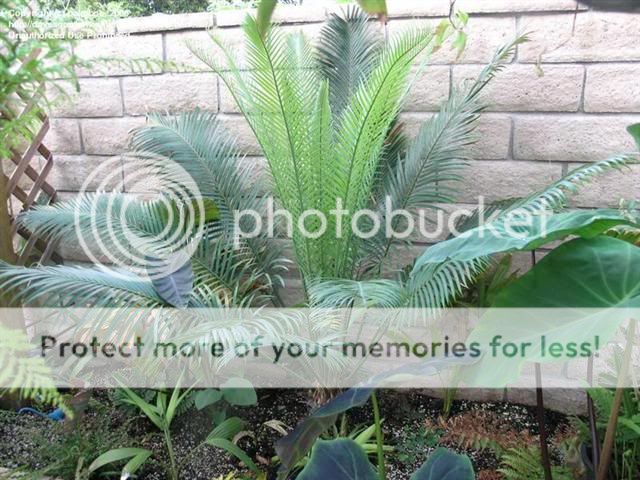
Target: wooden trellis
27	181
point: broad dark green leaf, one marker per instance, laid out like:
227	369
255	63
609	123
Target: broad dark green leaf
207	397
292	448
174	287
240	392
507	236
341	459
597	273
444	464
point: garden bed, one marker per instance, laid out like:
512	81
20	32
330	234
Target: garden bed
413	427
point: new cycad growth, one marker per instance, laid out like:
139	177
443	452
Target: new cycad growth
318	159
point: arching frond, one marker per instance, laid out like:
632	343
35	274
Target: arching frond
347	51
427	175
228	276
114	222
63	286
199	144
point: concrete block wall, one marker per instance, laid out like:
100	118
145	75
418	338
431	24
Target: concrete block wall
564	99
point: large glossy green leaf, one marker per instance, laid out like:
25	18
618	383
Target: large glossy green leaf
507	235
341	459
444	464
207	397
597	273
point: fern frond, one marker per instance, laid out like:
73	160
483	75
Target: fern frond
525	464
23	373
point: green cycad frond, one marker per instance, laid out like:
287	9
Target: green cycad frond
287	106
556	195
277	95
199	144
426	175
362	130
440	284
228	276
433	283
105	220
63	286
28	375
432	289
347	51
347	293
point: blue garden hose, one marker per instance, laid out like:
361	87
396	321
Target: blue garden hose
57	415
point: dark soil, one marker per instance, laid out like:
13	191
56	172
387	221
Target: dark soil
412	425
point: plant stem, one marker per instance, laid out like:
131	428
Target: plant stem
610	435
382	474
172	457
544	449
593	427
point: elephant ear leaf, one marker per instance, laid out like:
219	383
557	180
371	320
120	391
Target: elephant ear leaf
634	131
341	459
601	272
444	464
174	286
590	280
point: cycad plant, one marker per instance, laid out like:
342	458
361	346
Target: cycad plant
324	119
222	272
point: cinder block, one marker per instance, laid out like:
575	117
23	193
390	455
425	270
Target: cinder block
595	37
578	138
170	93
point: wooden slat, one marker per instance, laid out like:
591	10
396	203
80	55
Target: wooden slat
22	164
25	167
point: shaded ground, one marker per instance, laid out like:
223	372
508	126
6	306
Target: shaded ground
413	426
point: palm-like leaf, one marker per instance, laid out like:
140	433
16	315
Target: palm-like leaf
24	373
114	222
314	161
347	52
436	282
426	176
76	286
199	144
